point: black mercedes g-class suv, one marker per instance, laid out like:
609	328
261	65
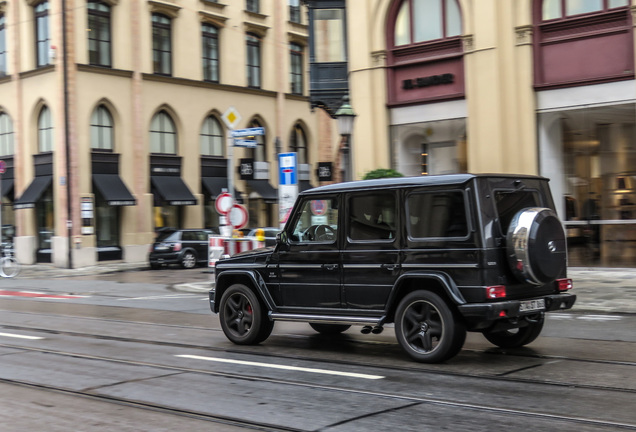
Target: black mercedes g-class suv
437	256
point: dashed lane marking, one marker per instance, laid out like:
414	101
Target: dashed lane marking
283	367
585	317
35	294
11	335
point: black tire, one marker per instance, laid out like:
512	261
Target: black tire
155	266
427	328
515	338
188	260
243	318
329	329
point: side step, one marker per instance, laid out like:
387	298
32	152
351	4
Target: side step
326	319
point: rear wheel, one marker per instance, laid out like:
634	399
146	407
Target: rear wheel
243	318
329	329
427	328
515	338
188	260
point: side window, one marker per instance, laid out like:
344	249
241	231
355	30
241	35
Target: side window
188	236
372	216
317	222
436	215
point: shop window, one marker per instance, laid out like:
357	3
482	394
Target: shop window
42	34
211	137
161	44
99	33
554	9
45	215
426	20
6	135
210	41
298	144
3	47
253	60
163	134
45	131
296	68
101	129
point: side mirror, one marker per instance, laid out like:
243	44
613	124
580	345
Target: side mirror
282	241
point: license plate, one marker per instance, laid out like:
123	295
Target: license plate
532	305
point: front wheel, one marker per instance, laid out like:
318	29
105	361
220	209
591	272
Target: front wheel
427	328
9	267
518	337
243	319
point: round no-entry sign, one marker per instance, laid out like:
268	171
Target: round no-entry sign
223	203
238	216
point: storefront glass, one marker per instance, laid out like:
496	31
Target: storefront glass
45	219
599	185
437	147
167	216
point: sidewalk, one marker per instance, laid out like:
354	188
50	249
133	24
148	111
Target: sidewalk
601	290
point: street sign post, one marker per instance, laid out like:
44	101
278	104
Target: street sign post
249	132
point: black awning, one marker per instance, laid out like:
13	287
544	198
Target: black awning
33	193
304	185
7	187
265	190
215	186
173	190
113	190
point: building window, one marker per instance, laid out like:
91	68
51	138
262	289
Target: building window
329	35
294	11
211	137
253	61
3	48
45	131
296	68
161	45
252	6
554	9
163	134
6	135
259	154
101	129
99	36
298	144
427	20
210	35
42	34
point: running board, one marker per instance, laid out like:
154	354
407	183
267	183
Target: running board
326	319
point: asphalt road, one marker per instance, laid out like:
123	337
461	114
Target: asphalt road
128	352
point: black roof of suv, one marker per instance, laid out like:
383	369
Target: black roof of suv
437	256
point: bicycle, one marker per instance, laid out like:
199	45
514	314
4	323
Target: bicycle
9	266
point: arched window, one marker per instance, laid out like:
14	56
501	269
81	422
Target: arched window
6	135
259	154
101	129
99	34
211	137
555	9
298	144
426	20
45	131
163	134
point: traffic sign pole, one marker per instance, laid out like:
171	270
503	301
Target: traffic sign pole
3	168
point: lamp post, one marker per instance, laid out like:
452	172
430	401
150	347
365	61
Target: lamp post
345	117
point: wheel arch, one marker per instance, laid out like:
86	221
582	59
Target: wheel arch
250	279
439	283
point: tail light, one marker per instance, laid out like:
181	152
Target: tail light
176	247
496	291
564	284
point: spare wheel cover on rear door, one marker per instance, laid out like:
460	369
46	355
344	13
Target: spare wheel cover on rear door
536	245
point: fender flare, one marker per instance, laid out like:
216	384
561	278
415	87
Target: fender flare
449	286
222	284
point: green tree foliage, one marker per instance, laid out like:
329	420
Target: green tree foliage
381	173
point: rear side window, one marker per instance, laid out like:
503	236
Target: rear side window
168	236
510	202
439	214
372	217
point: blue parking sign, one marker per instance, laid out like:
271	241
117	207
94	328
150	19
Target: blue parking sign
287	169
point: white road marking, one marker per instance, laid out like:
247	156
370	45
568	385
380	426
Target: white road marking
600	317
161	297
283	367
11	335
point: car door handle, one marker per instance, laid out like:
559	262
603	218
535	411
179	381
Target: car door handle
330	266
390	267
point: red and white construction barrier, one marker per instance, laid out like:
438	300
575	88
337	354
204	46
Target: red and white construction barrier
228	246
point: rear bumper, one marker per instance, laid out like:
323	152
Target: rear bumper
510	309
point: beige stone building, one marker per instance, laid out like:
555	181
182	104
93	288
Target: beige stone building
112	119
